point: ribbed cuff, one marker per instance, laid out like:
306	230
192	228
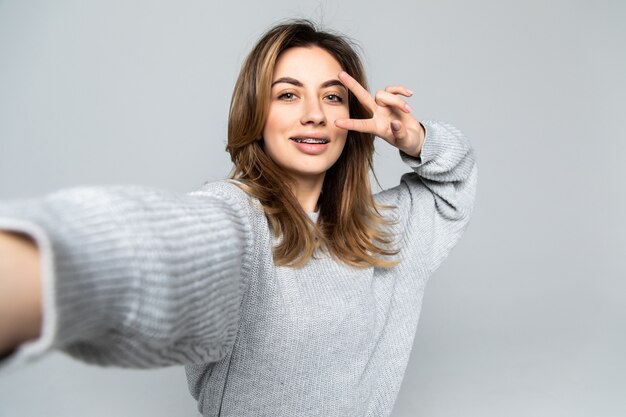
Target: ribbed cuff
444	155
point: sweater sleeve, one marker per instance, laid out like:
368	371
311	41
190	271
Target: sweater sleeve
136	277
434	202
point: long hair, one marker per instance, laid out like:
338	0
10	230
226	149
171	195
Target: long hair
349	225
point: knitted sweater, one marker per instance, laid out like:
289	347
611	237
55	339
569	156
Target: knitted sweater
137	277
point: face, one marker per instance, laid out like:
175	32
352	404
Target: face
307	97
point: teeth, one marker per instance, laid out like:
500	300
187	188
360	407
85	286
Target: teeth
310	140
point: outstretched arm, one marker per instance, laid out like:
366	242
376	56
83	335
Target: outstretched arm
20	291
129	276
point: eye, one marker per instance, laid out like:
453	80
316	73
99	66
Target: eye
335	98
287	96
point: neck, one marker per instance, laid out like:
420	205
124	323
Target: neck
307	191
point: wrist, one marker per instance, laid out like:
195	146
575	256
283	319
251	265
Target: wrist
416	150
20	291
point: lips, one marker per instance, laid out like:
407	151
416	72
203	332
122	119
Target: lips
311	141
311	144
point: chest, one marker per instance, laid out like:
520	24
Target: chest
325	304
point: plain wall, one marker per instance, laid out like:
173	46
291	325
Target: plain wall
527	316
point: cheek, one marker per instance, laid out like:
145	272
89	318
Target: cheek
339	132
340	113
343	136
271	137
279	120
271	124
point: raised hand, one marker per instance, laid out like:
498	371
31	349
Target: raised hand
391	116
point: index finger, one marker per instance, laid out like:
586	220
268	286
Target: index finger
361	94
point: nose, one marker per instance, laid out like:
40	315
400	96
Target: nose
313	113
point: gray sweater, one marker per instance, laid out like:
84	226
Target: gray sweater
137	277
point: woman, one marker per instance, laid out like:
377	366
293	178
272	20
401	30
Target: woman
286	290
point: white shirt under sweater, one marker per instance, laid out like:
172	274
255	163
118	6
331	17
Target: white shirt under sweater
137	277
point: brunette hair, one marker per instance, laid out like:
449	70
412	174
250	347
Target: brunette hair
349	225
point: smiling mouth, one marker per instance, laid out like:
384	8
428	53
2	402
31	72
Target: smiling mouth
312	141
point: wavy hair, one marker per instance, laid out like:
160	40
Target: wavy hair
349	225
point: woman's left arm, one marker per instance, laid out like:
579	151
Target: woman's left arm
435	201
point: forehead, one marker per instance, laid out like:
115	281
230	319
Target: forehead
306	63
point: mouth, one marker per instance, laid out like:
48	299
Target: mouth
311	141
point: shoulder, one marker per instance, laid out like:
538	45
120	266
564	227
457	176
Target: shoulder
225	189
249	211
230	191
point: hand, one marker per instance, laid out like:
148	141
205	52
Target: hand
20	291
391	116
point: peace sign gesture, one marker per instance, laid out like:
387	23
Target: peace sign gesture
391	116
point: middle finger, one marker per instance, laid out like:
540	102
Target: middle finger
399	89
391	100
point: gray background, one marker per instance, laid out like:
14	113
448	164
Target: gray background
526	317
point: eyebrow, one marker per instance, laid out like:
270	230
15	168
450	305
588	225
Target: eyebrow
297	83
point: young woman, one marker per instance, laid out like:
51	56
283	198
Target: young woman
287	290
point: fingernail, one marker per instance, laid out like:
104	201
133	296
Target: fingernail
408	108
395	125
409	91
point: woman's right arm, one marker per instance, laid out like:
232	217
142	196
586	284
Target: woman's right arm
129	276
20	291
